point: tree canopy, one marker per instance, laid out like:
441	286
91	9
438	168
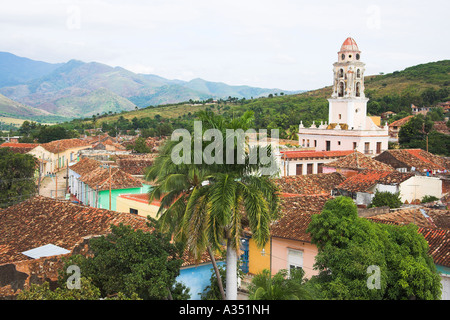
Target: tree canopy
133	262
354	251
17	182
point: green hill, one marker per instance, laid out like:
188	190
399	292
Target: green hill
425	84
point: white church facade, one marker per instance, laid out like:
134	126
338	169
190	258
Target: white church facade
348	127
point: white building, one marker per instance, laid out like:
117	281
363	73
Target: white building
349	127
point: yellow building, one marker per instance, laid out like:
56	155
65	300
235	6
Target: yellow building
137	204
259	258
56	154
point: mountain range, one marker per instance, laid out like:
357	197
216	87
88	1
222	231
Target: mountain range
38	89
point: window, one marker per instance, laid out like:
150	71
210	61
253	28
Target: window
307	143
341	73
309	168
358	73
378	147
295	259
328	145
299	169
315	143
339	143
358	89
320	168
133	211
354	145
341	89
340	116
343	56
358	56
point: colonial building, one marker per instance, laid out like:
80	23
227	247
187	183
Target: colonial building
349	127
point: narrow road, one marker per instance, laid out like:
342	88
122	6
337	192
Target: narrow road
48	186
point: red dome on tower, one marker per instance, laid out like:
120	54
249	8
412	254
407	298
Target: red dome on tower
349	45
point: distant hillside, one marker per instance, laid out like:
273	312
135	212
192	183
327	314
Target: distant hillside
10	108
16	70
425	84
78	89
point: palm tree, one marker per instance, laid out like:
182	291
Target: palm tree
281	286
209	206
292	133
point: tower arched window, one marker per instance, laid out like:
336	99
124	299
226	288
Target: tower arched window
341	73
358	73
358	89
341	89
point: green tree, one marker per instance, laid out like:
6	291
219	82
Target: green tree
140	146
350	248
385	198
52	133
281	286
17	182
131	262
414	131
208	205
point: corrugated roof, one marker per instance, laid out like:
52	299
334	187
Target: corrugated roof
47	250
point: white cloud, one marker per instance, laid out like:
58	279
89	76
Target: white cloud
289	44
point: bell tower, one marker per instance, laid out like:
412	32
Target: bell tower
348	104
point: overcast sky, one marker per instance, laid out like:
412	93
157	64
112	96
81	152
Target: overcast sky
287	44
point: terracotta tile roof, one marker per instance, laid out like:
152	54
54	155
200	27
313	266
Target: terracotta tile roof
313	154
321	183
64	144
428	218
140	197
85	165
439	244
441	126
400	122
100	178
40	221
19	147
135	164
364	180
438	241
419	159
295	216
356	160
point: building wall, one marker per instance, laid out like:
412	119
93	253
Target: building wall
351	111
341	140
104	197
197	278
56	161
290	166
144	209
419	186
257	261
280	255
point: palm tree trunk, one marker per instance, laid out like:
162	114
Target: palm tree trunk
231	272
219	278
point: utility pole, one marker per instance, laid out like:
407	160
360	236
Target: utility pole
56	174
39	178
109	187
96	197
67	175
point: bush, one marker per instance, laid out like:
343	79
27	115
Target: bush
426	199
385	198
